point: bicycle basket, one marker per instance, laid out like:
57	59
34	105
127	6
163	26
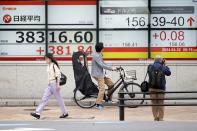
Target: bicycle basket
130	74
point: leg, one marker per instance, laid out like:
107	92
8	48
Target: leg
157	107
109	82
101	85
154	108
110	85
161	108
45	99
59	98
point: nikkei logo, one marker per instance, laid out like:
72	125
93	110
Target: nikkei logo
7	18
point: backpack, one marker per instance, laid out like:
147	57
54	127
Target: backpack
156	77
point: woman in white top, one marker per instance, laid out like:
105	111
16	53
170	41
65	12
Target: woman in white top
54	75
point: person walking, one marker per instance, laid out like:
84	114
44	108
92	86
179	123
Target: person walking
54	75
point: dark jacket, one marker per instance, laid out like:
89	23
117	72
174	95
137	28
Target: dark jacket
166	71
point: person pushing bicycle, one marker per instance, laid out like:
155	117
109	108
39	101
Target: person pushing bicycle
97	72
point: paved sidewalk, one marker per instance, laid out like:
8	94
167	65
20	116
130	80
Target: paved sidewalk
110	113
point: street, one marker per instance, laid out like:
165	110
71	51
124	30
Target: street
41	125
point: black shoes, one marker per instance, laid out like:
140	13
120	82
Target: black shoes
158	119
38	116
64	115
35	115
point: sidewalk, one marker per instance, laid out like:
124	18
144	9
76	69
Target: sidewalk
110	113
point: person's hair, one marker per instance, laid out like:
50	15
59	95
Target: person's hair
99	46
158	58
50	56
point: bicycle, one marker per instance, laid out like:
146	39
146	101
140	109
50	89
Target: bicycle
122	83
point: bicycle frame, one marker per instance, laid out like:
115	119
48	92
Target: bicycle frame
121	82
118	83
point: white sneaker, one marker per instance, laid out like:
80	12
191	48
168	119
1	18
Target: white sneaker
112	102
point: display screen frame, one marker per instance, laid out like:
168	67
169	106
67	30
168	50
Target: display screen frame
148	53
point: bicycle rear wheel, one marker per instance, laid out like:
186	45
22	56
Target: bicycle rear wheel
84	101
131	88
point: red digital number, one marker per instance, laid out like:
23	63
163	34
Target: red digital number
174	35
60	50
52	49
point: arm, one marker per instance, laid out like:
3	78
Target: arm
57	73
100	62
167	71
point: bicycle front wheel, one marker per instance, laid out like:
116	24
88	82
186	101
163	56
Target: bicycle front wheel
84	101
131	88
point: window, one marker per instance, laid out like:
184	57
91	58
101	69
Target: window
22	30
173	29
124	28
72	27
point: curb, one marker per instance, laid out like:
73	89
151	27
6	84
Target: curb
31	102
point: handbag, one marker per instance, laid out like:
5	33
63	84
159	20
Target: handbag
63	78
144	84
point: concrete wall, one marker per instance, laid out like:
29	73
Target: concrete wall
27	80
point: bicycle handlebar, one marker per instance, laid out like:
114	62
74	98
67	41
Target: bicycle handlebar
125	74
121	70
